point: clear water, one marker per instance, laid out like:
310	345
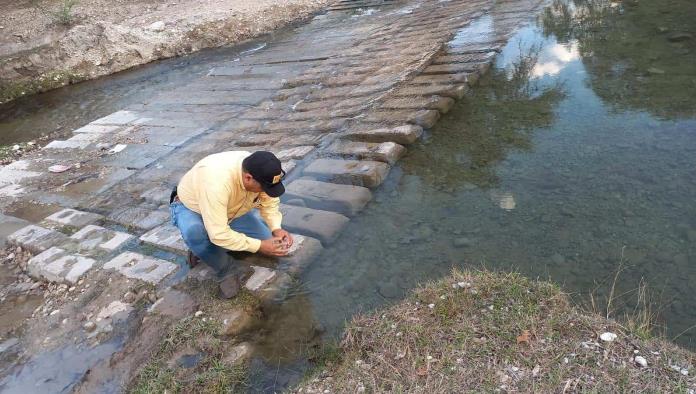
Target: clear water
576	150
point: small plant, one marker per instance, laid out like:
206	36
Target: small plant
63	15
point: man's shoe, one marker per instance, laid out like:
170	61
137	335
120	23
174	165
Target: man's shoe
232	283
192	260
230	286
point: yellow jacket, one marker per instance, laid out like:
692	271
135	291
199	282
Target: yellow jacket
214	189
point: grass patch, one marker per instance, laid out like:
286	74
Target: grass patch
486	331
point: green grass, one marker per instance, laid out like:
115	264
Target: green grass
447	338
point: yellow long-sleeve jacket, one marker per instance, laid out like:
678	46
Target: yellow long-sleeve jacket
214	189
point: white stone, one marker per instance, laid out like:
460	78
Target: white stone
608	337
387	152
157	26
641	361
36	239
297	152
67	144
10	176
137	266
118	118
112	309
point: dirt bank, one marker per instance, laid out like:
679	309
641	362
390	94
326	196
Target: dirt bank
493	332
49	43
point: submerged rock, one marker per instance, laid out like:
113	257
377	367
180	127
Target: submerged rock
236	322
680	36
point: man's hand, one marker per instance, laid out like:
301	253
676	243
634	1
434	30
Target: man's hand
273	247
285	236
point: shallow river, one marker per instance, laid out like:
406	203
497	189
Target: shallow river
575	157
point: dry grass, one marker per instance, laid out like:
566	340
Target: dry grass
484	331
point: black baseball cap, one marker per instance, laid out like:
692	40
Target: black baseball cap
266	170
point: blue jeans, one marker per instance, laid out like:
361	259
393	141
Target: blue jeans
196	237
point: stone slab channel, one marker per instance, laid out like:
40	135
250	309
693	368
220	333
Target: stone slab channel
338	102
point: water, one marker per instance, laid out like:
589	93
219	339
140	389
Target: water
577	150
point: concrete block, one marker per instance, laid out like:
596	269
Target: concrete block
67	144
323	225
302	253
11	176
8	225
403	135
261	277
387	152
344	199
353	172
298	152
96	128
455	92
57	265
442	104
288	166
36	239
118	118
136	156
166	237
138	266
91	237
74	218
139	218
158	195
425	118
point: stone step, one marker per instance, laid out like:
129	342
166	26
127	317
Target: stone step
139	218
352	172
74	218
387	152
137	266
453	91
57	265
36	239
302	253
166	237
442	104
323	225
403	135
344	199
91	237
425	118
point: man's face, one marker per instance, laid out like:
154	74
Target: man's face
251	184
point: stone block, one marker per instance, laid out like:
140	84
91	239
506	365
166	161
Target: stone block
288	166
96	128
138	266
118	118
353	172
68	144
57	265
91	237
298	152
158	195
387	152
452	68
36	239
257	140
323	225
12	176
444	79
442	104
136	156
74	218
261	277
424	118
8	225
304	250
344	199
403	135
166	237
139	218
455	92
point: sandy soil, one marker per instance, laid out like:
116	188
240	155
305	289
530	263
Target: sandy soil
38	52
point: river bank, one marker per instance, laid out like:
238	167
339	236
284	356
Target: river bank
487	331
52	43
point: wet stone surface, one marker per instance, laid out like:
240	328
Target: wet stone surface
137	266
344	199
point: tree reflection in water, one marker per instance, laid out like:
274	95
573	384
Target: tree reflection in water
638	55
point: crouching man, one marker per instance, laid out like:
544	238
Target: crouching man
229	202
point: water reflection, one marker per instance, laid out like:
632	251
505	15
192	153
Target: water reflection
639	55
